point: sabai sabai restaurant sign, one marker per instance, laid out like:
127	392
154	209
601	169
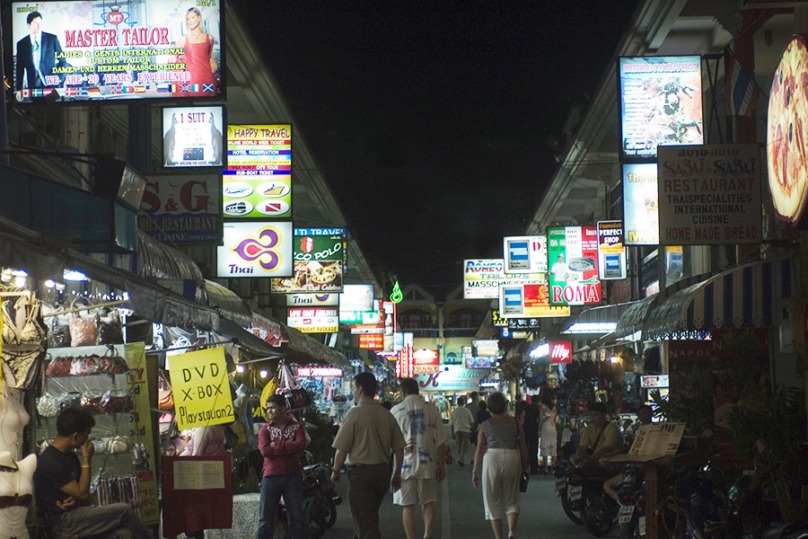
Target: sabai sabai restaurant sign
710	194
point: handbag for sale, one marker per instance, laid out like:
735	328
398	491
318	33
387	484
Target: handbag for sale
109	328
164	394
296	397
60	335
82	330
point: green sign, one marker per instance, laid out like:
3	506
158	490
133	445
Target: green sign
396	296
360	317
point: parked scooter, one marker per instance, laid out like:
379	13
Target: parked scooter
570	495
599	511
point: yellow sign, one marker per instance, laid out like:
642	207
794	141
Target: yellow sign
201	389
140	432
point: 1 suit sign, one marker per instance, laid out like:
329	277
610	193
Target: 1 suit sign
48	46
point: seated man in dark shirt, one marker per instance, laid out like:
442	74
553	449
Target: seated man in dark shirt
62	487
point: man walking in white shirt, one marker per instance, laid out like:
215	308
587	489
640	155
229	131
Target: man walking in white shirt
424	453
462	422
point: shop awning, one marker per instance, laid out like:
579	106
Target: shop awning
600	318
159	261
228	303
743	297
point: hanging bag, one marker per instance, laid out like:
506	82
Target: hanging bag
296	397
82	330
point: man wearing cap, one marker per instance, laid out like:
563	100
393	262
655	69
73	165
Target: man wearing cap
602	436
369	434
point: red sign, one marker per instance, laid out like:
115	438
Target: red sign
312	312
319	372
560	352
371	341
404	364
425	361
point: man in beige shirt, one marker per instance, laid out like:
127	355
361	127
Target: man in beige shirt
368	435
462	422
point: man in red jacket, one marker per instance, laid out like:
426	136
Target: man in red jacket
282	442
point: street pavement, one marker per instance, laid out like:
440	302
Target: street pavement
460	512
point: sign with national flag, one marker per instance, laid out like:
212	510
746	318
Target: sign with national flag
742	90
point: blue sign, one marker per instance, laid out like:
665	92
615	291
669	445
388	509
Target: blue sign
513	297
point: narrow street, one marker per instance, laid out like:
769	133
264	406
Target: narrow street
460	512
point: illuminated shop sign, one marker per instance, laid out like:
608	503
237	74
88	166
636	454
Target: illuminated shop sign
573	277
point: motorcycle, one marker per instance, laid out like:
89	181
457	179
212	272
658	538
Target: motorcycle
598	510
570	495
324	491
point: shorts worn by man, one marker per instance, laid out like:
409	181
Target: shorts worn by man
424	454
463	422
367	437
62	487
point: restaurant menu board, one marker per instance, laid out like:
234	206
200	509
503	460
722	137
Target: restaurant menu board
96	50
313	319
656	441
660	103
482	278
192	136
318	263
573	277
525	254
710	195
258	180
528	301
611	251
641	204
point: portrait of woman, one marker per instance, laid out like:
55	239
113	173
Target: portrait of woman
198	56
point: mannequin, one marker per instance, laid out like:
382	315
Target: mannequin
16	493
13	419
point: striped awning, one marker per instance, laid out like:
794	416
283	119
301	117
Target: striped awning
743	297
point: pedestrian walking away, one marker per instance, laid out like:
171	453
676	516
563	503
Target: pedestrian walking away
424	452
462	422
369	434
282	442
502	454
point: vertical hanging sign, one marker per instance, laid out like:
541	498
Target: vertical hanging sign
573	255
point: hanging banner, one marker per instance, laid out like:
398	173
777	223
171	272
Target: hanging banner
182	209
318	262
140	432
710	195
641	204
574	273
96	50
525	254
660	103
257	249
258	180
192	136
201	389
611	251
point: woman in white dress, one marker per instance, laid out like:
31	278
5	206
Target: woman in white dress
547	426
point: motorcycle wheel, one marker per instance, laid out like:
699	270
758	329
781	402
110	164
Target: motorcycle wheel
570	512
315	519
597	515
330	509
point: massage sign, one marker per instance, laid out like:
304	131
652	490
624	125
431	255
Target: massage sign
201	389
573	261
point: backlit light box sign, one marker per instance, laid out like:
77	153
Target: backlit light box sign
482	278
528	301
525	254
318	262
258	180
641	204
425	361
573	277
611	251
660	103
256	249
319	372
192	136
356	297
371	341
312	300
485	348
313	319
182	209
97	50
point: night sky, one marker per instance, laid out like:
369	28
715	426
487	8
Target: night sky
436	123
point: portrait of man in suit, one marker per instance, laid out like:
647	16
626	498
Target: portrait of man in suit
36	55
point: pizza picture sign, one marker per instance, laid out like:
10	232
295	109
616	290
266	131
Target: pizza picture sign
786	133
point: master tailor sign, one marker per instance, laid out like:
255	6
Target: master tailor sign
97	50
573	277
251	249
710	194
